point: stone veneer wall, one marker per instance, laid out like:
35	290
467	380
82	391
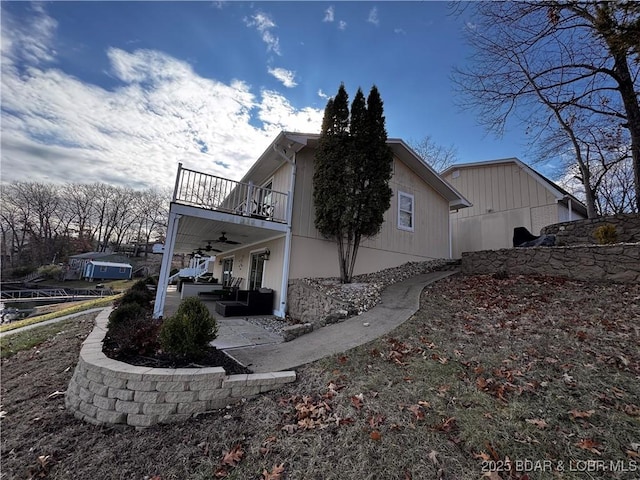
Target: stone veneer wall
580	232
618	263
310	306
106	391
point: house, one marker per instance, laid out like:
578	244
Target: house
505	194
261	229
97	270
78	263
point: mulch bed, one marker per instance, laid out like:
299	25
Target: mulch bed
212	358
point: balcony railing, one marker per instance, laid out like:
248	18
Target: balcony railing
221	194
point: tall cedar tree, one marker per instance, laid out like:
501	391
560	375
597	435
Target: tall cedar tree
353	167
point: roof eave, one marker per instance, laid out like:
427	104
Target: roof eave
429	175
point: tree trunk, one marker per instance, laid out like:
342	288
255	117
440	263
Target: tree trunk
630	100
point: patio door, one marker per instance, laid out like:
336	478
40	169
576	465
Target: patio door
227	271
256	271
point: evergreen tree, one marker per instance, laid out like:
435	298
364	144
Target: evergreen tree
352	172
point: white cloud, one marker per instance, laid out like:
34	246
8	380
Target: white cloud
287	77
263	23
321	94
399	31
329	14
373	16
59	129
342	25
30	41
276	112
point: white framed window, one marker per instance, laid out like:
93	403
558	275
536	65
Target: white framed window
103	268
405	211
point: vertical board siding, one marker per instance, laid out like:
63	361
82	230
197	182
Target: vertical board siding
431	233
504	196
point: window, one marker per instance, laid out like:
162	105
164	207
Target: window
103	269
256	271
405	211
122	269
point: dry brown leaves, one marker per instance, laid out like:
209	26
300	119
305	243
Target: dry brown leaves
230	460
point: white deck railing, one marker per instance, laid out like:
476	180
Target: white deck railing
221	194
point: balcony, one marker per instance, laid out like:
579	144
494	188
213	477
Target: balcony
206	191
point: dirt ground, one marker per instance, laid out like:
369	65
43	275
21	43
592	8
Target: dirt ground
488	372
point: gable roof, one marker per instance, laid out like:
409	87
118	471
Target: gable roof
92	255
110	264
288	143
561	195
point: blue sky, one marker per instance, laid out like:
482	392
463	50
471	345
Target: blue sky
120	92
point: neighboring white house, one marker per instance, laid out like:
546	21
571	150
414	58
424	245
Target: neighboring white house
505	194
261	229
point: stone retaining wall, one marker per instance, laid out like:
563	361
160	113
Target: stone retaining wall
617	263
310	306
106	391
580	232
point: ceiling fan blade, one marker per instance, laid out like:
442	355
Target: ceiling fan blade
232	242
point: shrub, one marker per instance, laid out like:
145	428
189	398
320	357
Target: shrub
141	286
135	335
126	312
606	234
130	329
138	293
19	272
50	271
187	334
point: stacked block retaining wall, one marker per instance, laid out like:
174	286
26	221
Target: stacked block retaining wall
106	391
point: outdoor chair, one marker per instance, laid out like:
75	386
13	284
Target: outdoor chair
227	292
247	302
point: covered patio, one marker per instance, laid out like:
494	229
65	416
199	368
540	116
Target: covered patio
239	226
233	332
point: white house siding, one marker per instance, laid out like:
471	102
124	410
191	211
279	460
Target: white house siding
314	256
504	196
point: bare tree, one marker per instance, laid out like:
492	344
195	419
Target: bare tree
15	218
152	212
41	223
557	65
438	157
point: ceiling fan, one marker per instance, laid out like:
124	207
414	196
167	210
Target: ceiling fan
223	239
209	248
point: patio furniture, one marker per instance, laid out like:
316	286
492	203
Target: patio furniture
247	302
228	292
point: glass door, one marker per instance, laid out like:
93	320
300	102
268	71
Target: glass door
256	271
227	271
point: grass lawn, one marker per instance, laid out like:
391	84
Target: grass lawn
516	378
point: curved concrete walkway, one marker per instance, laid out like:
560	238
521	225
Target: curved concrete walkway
398	302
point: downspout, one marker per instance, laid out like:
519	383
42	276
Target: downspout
450	237
287	241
